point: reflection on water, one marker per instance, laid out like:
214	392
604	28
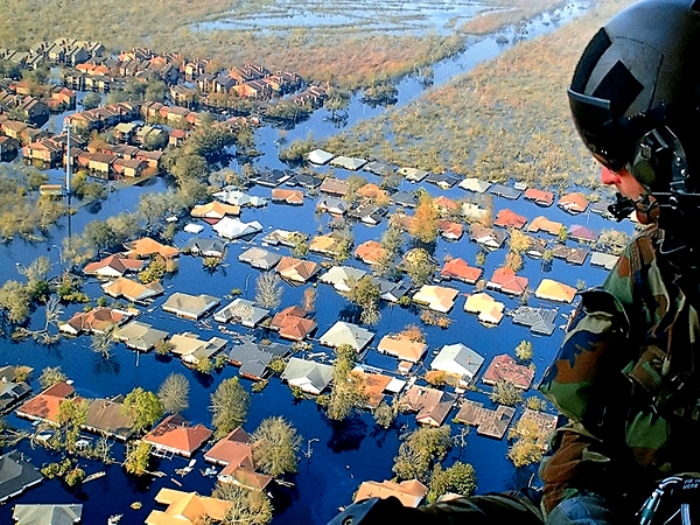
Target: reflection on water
395	16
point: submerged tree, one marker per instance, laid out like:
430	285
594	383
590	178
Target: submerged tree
144	407
268	290
174	393
51	376
420	450
460	478
137	458
250	507
229	406
506	393
276	447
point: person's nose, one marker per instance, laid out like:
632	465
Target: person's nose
608	176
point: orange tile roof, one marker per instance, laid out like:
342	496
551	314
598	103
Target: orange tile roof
555	291
296	269
507	218
374	386
460	270
410	492
174	433
505	279
45	406
234	448
402	347
187	508
146	247
505	367
544	224
370	252
214	210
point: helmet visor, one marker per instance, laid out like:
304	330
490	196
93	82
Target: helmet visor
600	131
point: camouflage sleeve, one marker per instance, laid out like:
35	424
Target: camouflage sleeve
590	359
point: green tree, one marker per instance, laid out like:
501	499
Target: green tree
276	447
138	457
15	301
72	414
420	449
420	266
384	415
347	391
229	406
249	507
524	351
144	407
268	290
51	376
174	393
365	294
506	393
528	443
562	234
91	100
460	478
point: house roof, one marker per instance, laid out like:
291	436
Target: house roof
555	291
297	269
106	416
573	202
253	358
450	229
292	323
41	514
145	247
505	191
140	336
458	359
319	156
374	385
175	433
431	405
190	306
45	405
235	448
540	320
492	423
486	307
370	252
204	246
288	196
505	280
402	347
542	223
349	163
241	311
410	492
413	174
260	258
132	290
541	197
114	266
342	333
605	260
233	228
460	270
508	218
505	367
489	237
333	186
186	508
214	210
16	475
310	376
341	277
438	298
99	320
581	233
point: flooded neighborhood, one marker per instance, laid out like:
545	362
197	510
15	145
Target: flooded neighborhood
210	309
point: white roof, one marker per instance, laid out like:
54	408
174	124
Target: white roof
319	156
193	228
233	228
475	185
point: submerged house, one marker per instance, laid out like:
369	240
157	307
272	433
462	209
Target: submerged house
133	291
459	361
113	266
108	418
504	367
243	312
293	323
342	333
410	492
253	359
187	508
189	306
140	336
193	350
235	453
431	405
16	475
309	376
174	435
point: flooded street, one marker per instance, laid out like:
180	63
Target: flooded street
339	456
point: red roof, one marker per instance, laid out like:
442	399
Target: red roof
45	405
459	269
505	280
541	197
505	367
174	433
508	218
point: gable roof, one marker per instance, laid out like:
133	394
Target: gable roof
410	492
45	405
140	336
340	277
319	156
438	298
573	202
431	405
370	252
113	266
234	228
16	475
505	280
214	210
190	306
402	347
235	447
145	247
486	307
349	163
460	270
542	223
260	258
342	333
475	185
241	311
508	218
458	359
295	269
540	197
309	376
186	508
42	514
555	291
505	367
132	290
175	434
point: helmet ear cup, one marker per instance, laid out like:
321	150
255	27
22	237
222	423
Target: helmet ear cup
651	160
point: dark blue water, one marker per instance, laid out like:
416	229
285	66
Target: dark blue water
346	453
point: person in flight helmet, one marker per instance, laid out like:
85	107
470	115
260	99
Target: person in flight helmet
627	375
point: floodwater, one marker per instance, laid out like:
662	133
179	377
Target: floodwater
342	454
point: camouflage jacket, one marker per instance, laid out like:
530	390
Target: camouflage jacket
626	378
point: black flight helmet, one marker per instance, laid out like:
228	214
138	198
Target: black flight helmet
635	97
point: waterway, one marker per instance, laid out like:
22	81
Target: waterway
343	454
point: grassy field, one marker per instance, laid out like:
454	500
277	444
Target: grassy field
379	42
506	118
